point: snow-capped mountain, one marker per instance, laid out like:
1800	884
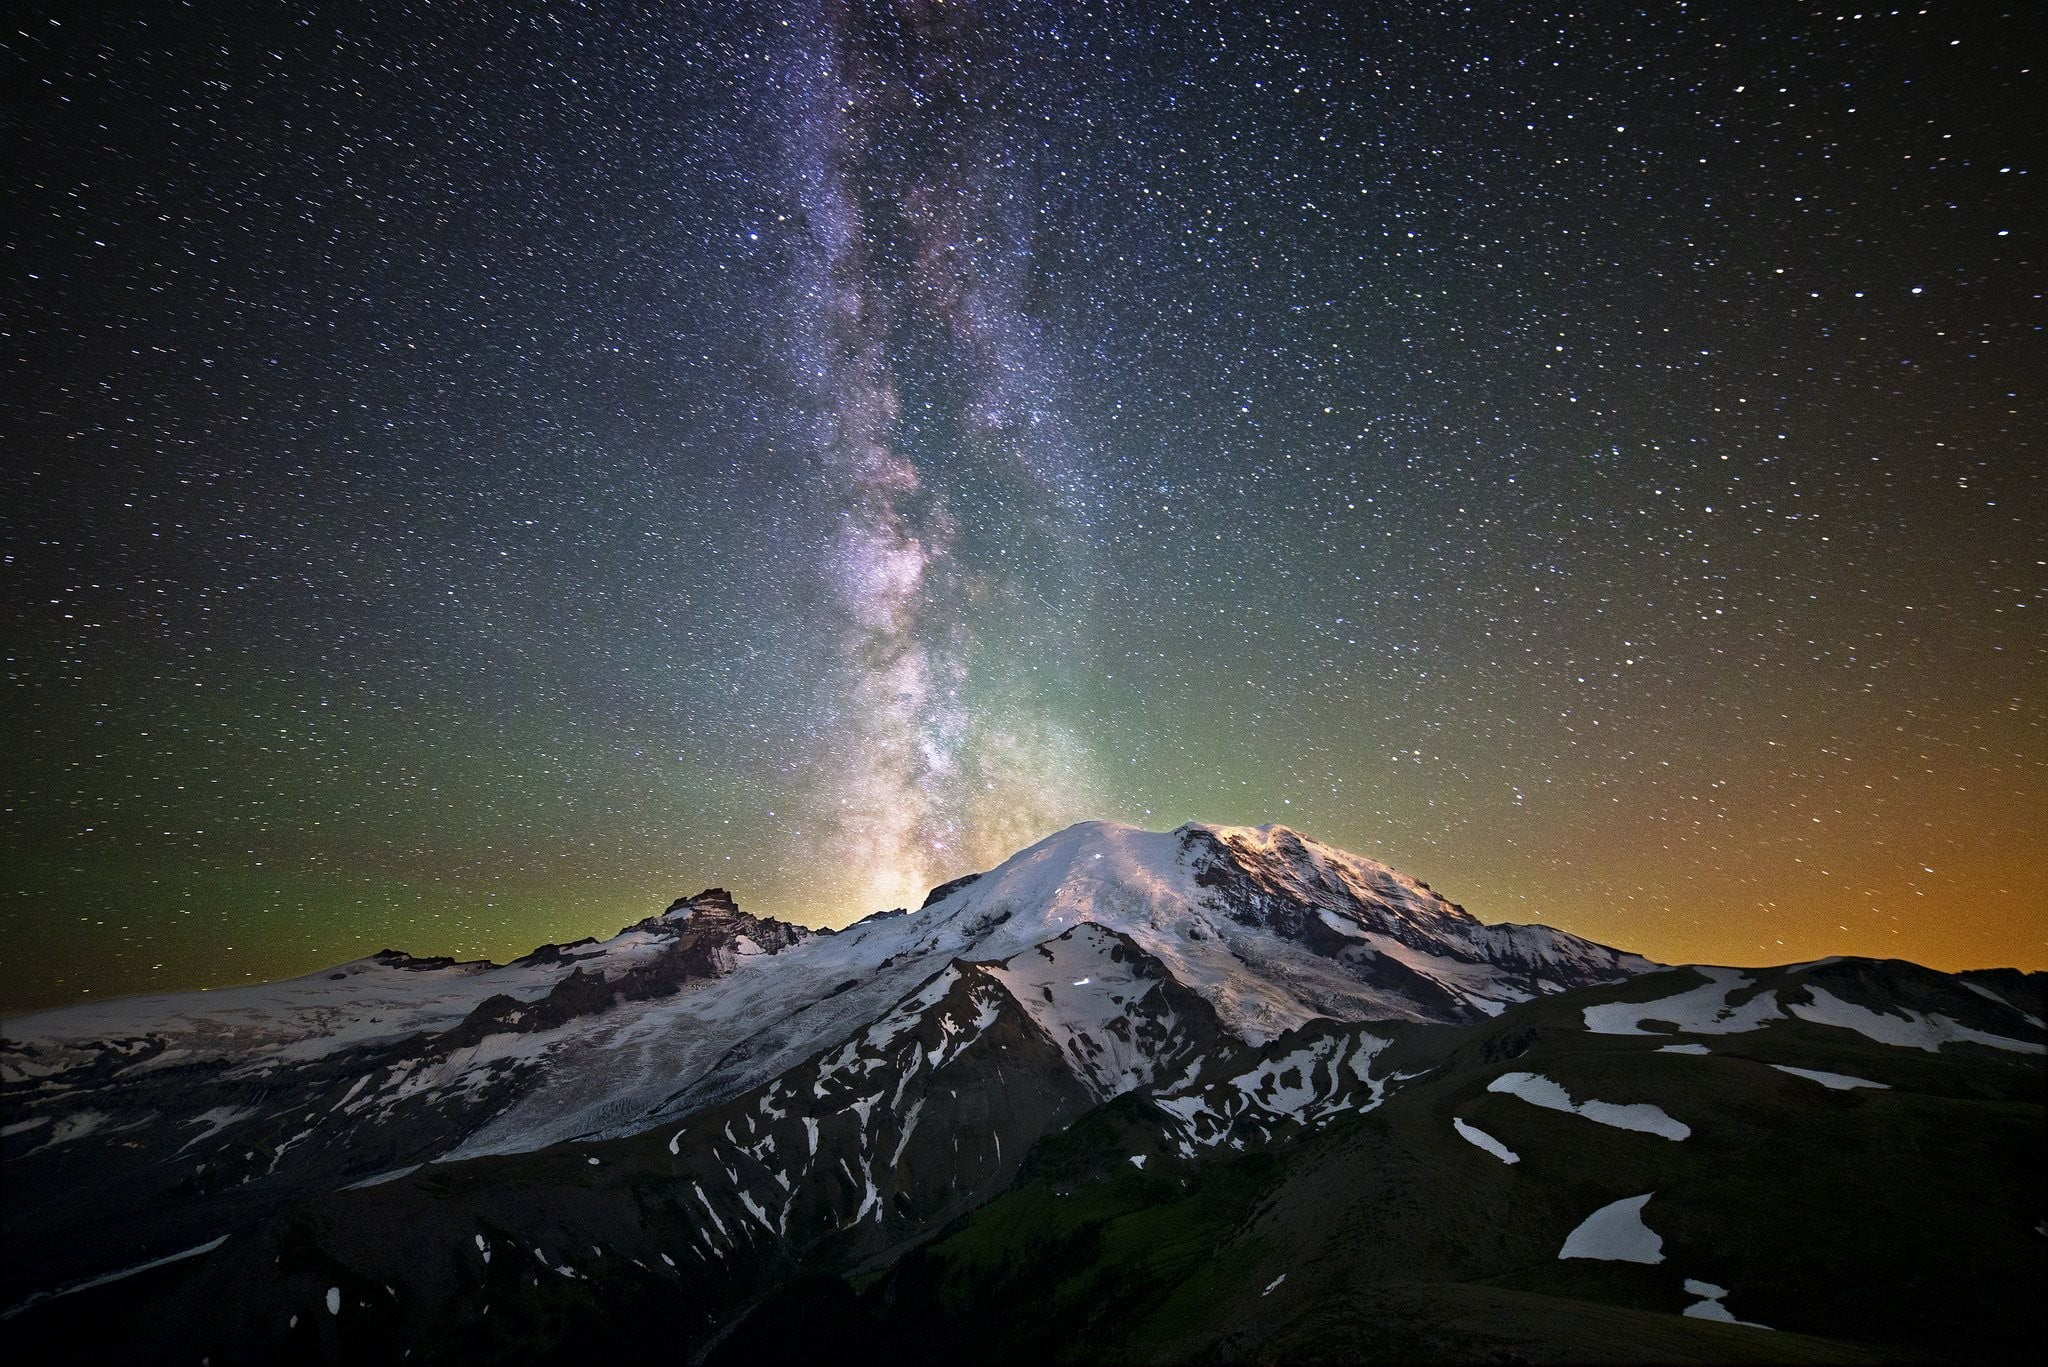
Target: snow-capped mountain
193	1110
1272	929
683	1113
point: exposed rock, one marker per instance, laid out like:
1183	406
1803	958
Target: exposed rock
948	888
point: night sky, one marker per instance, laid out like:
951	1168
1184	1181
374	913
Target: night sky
475	472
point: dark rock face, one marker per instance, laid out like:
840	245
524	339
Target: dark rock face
717	898
947	889
2024	992
582	993
1282	888
398	958
1278	890
706	946
556	954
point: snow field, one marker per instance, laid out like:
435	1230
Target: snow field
1703	1010
1639	1116
1909	1030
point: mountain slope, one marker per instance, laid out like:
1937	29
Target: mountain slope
1867	1198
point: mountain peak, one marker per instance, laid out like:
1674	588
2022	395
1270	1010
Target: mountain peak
710	898
1274	927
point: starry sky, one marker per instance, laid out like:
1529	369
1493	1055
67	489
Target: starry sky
477	471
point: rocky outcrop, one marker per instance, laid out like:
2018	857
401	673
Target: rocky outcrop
707	933
948	888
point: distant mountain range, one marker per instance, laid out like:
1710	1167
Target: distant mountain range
1213	1094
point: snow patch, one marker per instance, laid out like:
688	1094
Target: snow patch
1911	1030
1639	1116
1840	1082
380	1178
72	1127
215	1119
1485	1141
1703	1010
1616	1233
1709	1306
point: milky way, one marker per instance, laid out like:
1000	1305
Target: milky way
900	172
478	471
